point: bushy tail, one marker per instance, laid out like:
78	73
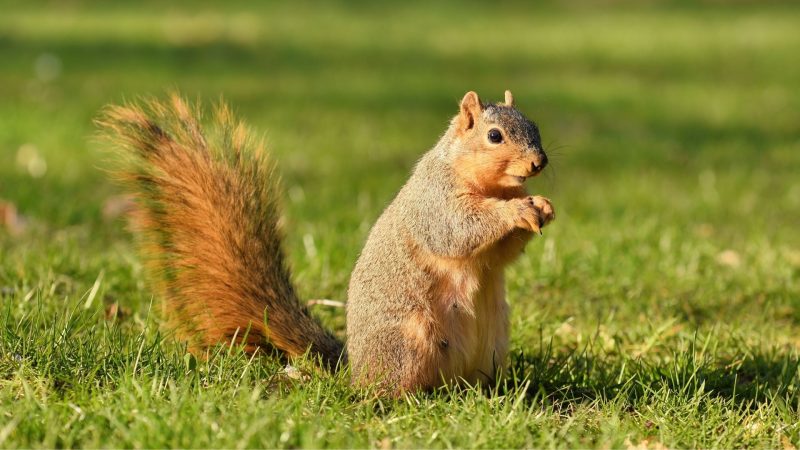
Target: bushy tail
208	221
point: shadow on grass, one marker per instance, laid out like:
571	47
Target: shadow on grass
569	377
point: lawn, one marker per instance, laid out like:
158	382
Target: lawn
661	308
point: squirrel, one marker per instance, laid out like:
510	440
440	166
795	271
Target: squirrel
426	300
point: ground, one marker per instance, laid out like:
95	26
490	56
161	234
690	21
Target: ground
661	308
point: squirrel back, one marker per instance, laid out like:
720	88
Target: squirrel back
207	219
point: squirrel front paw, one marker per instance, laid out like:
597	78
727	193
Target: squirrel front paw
535	212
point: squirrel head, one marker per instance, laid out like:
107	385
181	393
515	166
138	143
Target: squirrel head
496	147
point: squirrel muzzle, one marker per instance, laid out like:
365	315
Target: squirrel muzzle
530	164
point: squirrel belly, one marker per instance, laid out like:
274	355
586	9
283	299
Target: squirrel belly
426	300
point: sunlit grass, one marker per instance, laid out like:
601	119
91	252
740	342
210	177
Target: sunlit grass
662	305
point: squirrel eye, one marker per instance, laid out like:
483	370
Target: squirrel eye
495	137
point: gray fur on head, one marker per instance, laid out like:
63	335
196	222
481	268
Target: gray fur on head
518	128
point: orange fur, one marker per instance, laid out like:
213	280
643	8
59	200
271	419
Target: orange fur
208	222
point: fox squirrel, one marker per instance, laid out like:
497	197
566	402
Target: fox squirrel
426	302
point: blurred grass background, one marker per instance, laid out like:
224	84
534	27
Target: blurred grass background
674	135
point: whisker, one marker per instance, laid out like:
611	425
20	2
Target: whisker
556	149
551	178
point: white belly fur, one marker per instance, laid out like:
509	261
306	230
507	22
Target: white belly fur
488	351
477	332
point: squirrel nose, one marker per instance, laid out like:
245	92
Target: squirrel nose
540	164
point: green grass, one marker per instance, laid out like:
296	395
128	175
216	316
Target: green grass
662	305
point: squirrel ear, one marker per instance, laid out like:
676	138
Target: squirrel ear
509	98
470	110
